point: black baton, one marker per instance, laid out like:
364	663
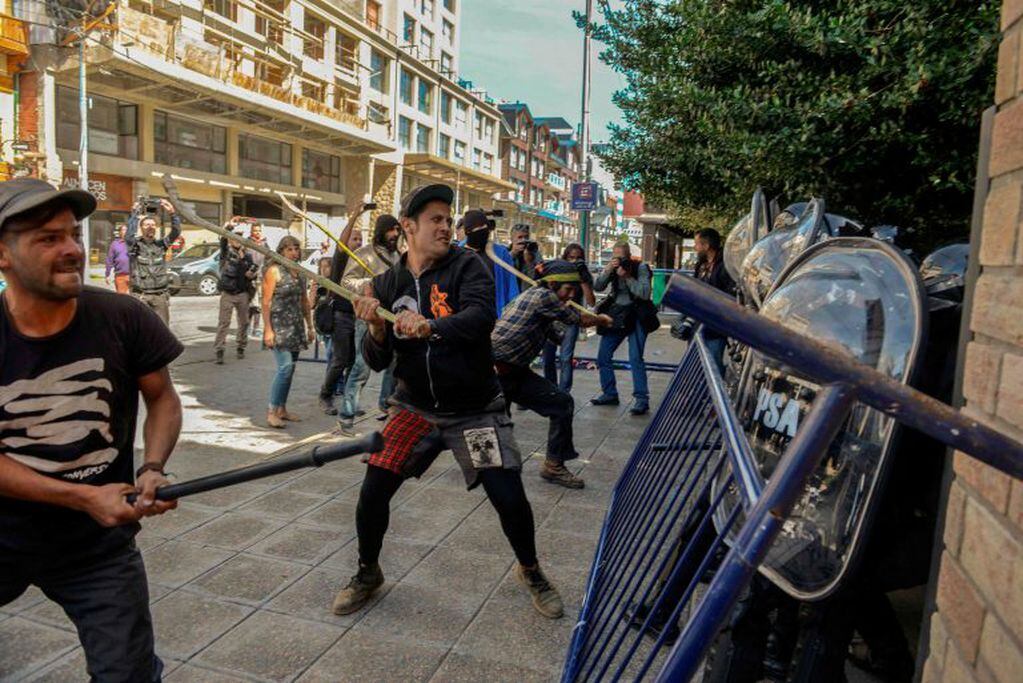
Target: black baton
312	458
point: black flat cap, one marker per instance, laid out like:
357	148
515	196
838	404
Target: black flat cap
424	194
475	219
24	194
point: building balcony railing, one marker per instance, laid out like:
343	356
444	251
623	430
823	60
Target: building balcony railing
13	36
221	62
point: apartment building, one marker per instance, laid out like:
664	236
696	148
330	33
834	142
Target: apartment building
240	99
13	53
541	158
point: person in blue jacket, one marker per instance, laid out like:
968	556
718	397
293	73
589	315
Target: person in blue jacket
474	230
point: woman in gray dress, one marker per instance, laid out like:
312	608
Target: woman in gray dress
287	327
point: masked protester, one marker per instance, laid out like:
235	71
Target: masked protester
237	271
342	324
150	280
447	394
518	338
77	357
474	230
381	255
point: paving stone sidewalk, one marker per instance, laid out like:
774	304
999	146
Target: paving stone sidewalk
242	579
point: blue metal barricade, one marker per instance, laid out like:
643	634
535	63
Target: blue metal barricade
664	553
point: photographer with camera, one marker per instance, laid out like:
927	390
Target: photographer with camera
524	253
150	280
628	305
237	272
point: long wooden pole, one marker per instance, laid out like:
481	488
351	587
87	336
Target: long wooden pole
190	216
341	245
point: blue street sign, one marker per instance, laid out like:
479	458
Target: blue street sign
585	196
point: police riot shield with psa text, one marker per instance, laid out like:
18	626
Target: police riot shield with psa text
749	230
863	297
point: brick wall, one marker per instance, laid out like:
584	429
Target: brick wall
976	634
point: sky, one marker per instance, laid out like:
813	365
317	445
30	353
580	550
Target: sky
532	51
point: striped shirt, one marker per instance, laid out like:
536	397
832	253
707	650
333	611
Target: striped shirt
525	323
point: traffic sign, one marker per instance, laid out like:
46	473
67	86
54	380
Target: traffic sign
585	196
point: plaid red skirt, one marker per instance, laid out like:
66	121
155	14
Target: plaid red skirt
402	433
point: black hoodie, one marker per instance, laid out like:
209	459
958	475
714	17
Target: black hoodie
453	371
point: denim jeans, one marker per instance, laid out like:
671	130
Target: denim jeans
359	375
557	358
281	385
609	343
716	347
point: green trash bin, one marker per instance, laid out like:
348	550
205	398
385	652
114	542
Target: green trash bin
660	283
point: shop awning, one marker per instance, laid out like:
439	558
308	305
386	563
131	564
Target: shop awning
456	175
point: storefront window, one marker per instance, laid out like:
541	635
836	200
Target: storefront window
321	171
113	125
264	159
189	144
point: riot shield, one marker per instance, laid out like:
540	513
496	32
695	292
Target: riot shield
750	229
864	297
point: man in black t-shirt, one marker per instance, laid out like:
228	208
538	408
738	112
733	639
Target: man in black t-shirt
74	360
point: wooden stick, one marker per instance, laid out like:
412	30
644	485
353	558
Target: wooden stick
525	278
306	217
190	217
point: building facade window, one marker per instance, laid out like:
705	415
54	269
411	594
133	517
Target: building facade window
317	29
408	32
460	152
347	52
476	158
488	163
225	8
184	143
425	97
444	146
445	107
426	7
405	89
379	69
321	171
423	134
449	5
113	125
447	30
461	114
404	132
447	65
373	14
264	159
426	43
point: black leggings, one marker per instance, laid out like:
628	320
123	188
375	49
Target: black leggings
503	487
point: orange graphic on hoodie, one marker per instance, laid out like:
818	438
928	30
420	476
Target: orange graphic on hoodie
439	303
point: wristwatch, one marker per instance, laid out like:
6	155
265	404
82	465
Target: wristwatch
149	467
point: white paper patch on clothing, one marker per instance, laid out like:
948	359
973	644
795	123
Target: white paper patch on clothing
483	447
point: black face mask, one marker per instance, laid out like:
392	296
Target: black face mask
477	239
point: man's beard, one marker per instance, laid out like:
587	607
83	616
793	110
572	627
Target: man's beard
391	244
47	288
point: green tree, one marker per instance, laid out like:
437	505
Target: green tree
872	104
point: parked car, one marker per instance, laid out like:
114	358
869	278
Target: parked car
197	269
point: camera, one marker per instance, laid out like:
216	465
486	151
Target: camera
532	246
151	205
369	206
683	329
497	213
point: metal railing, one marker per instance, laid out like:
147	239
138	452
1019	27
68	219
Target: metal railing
669	548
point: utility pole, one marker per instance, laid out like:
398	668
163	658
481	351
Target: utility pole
584	133
83	145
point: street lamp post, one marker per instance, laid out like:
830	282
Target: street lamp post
584	133
83	145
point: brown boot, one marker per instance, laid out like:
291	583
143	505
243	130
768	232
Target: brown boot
557	473
274	420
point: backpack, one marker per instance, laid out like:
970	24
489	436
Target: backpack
323	313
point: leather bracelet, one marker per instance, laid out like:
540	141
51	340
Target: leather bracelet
149	467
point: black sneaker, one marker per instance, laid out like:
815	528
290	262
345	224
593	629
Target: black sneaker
241	353
604	400
359	590
327	406
220	357
640	408
638	614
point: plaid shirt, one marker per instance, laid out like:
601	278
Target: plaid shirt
523	328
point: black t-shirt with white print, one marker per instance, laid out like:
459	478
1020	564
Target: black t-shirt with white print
68	408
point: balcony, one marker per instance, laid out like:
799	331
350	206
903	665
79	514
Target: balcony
13	36
212	75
